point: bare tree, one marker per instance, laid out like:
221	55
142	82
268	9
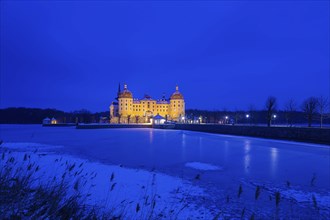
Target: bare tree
322	104
290	107
128	118
309	107
270	108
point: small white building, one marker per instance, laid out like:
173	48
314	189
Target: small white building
46	121
158	120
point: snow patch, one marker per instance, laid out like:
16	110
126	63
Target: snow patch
202	166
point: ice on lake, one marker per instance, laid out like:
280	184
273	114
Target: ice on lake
222	163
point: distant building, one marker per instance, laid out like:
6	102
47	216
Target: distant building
127	109
46	121
53	121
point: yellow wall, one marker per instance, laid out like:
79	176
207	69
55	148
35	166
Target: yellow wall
177	108
144	107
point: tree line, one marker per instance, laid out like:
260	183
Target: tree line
36	115
312	110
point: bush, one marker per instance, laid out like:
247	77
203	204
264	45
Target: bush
24	195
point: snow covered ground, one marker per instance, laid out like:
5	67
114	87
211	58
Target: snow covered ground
113	187
212	173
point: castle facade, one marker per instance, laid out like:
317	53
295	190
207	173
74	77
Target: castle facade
127	109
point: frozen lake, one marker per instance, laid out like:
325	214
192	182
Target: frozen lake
220	162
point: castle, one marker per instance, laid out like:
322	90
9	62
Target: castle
127	109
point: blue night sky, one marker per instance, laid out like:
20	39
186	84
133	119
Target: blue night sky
72	55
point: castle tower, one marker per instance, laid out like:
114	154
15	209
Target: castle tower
177	105
125	101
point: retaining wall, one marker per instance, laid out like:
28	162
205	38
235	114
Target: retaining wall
315	135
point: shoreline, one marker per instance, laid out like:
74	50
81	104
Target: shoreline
306	135
299	134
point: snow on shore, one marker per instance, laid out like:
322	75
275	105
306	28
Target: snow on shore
115	187
307	197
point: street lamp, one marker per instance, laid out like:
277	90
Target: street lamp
274	117
247	117
226	119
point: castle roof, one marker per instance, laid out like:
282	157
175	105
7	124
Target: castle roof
125	93
177	94
162	101
128	94
147	97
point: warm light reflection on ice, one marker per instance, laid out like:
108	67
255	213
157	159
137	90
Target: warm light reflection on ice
183	140
151	136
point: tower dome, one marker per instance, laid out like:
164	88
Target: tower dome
176	94
125	93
